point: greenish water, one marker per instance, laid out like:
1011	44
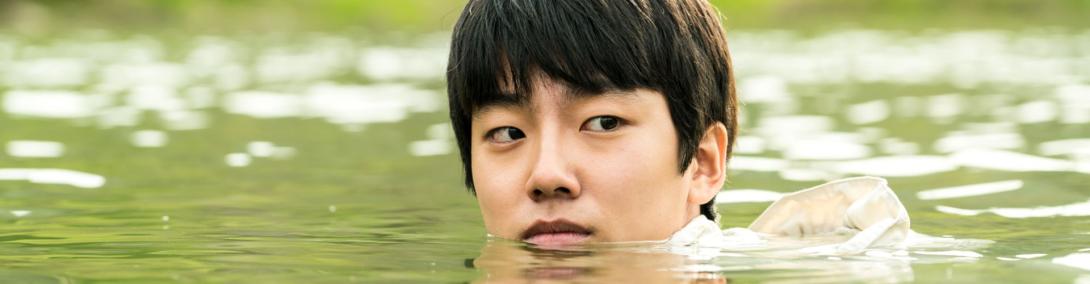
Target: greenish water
321	158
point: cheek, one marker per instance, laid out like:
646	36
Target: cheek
637	184
647	156
504	173
498	192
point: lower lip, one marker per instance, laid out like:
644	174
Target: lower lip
558	239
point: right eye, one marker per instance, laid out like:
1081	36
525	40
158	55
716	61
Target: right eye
505	134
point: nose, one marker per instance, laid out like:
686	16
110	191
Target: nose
553	175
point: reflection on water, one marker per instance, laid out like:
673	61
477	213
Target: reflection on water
969	190
1079	260
504	262
149	138
53	176
47	103
1070	210
507	262
326	158
35	149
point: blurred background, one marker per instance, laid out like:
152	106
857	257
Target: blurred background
416	16
207	141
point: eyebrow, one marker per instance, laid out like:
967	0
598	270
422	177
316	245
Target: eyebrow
503	100
571	95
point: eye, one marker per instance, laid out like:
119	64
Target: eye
603	123
505	134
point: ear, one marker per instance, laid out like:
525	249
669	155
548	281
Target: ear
708	168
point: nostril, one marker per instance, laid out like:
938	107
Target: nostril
542	194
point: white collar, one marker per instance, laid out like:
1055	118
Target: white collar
701	232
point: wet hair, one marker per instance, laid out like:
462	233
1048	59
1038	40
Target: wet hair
676	47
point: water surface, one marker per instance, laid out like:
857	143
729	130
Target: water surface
324	158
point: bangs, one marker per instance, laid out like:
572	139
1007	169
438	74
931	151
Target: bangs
501	47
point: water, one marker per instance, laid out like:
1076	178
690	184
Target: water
324	158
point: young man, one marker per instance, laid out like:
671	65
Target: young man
592	120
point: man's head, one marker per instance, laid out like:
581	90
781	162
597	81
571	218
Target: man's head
602	120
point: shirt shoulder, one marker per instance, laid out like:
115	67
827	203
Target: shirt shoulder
852	204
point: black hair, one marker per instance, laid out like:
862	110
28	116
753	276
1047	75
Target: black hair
676	47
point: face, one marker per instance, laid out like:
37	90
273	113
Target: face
566	169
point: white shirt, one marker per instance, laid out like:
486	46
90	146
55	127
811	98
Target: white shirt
864	210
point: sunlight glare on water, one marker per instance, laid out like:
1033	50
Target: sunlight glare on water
35	149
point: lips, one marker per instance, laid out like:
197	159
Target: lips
556	233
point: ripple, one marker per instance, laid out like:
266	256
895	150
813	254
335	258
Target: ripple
1064	147
337	104
897	166
969	190
148	138
53	176
432	147
825	150
1030	255
360	104
1009	161
261	104
783	131
181	120
260	149
266	149
129	75
958	141
748	145
278	65
957	253
35	149
1069	210
764	89
1038	111
760	164
155	97
1075	103
237	160
389	63
48	72
868	112
48	103
1076	260
746	196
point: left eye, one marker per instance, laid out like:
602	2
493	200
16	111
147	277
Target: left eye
603	123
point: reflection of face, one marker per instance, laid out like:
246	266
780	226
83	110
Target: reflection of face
505	262
583	168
